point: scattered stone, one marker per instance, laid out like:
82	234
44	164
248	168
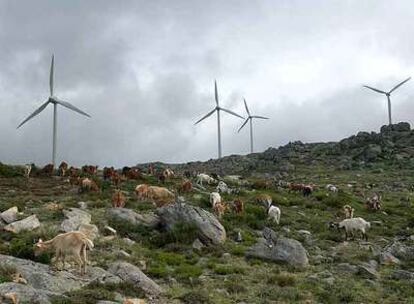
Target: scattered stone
346	267
210	230
128	241
29	223
110	230
122	254
83	205
402	275
75	217
148	220
367	271
279	250
10	215
304	232
135	276
197	244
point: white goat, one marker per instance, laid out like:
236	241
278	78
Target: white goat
27	170
204	178
332	188
215	198
223	188
355	224
273	214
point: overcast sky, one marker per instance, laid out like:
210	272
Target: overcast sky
145	72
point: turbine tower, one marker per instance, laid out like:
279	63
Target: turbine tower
250	119
55	101
218	109
388	94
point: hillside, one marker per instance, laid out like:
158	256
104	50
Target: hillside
183	253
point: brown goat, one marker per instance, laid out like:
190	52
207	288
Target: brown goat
118	199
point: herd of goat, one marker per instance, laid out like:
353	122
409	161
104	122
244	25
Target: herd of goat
76	243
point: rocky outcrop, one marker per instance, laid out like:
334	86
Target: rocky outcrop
279	250
148	220
74	218
10	215
43	282
132	274
27	224
210	231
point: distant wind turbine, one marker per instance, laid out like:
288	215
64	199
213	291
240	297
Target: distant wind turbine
388	94
250	119
218	109
55	101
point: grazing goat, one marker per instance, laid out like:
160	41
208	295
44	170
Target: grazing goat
348	211
222	187
264	200
374	202
134	174
161	178
47	170
142	191
74	172
89	170
238	206
168	173
28	170
88	185
356	224
186	186
116	178
273	214
72	243
204	178
331	188
107	172
214	198
63	168
118	199
160	196
307	190
219	209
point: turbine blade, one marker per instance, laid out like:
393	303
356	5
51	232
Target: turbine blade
232	113
216	92
247	109
245	122
374	89
70	107
204	117
400	84
260	117
52	67
40	109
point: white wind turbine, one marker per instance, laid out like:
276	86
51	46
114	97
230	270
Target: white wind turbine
55	101
388	94
218	109
250	119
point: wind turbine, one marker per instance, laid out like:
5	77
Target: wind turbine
250	119
55	101
388	94
218	109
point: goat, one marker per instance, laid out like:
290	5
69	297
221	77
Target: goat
222	187
219	209
332	188
168	173
264	200
273	214
215	198
47	170
28	170
348	211
374	202
238	206
160	196
142	191
353	224
72	243
186	186
118	199
204	178
63	168
88	185
107	172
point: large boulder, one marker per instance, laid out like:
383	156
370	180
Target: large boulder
10	215
26	293
148	219
401	251
42	278
75	217
132	274
29	223
399	127
279	250
210	231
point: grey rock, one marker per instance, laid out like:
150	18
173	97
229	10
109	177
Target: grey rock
368	272
29	223
279	250
346	267
74	218
47	281
135	276
10	215
197	244
26	293
148	220
402	275
401	251
210	230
